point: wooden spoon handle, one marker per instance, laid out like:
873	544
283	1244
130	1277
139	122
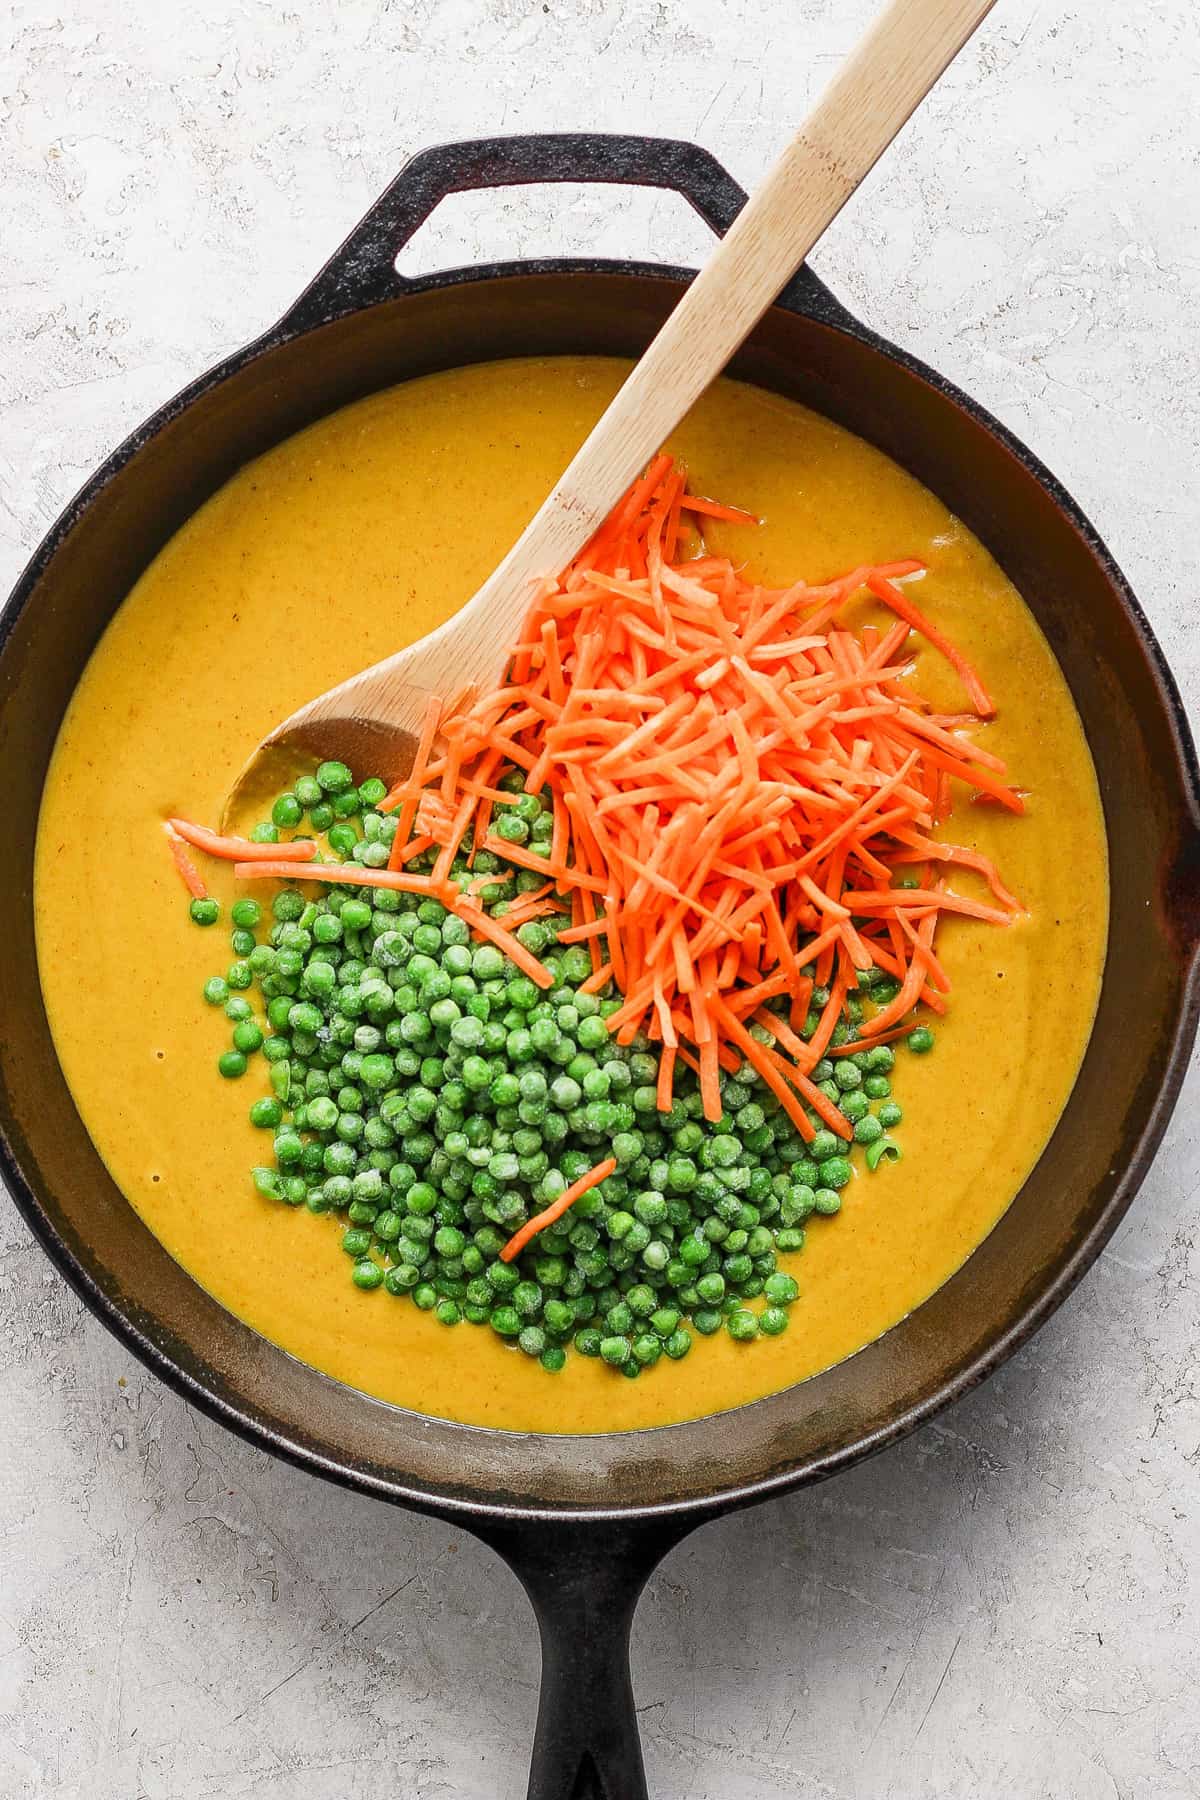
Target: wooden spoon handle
872	95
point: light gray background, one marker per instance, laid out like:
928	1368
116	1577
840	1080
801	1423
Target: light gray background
1008	1604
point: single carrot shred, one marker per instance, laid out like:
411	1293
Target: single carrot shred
189	874
597	980
416	780
347	874
483	925
666	1077
712	509
557	1208
239	849
887	591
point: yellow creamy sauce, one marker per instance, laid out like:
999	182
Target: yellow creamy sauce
333	550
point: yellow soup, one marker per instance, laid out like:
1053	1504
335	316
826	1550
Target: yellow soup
328	553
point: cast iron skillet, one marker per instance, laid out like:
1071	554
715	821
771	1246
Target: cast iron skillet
583	1521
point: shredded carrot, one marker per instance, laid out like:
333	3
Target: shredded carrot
353	875
666	1077
483	925
878	1037
348	874
709	1072
737	776
420	772
712	509
189	874
479	882
598	979
239	849
891	595
557	1208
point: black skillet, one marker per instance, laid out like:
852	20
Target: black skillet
583	1521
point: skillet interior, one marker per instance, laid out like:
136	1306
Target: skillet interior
1129	1076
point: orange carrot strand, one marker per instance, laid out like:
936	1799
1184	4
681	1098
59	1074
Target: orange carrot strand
557	1208
189	874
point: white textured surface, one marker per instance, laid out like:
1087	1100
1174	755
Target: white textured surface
1008	1604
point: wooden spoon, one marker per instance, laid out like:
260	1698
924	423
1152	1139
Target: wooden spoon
371	721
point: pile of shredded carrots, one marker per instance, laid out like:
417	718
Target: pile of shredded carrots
735	778
738	781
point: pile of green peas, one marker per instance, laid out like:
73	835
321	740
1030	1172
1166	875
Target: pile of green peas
431	1097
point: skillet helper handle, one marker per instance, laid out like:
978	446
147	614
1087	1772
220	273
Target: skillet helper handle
362	272
584	1581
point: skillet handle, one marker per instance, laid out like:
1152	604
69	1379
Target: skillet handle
362	272
585	1581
